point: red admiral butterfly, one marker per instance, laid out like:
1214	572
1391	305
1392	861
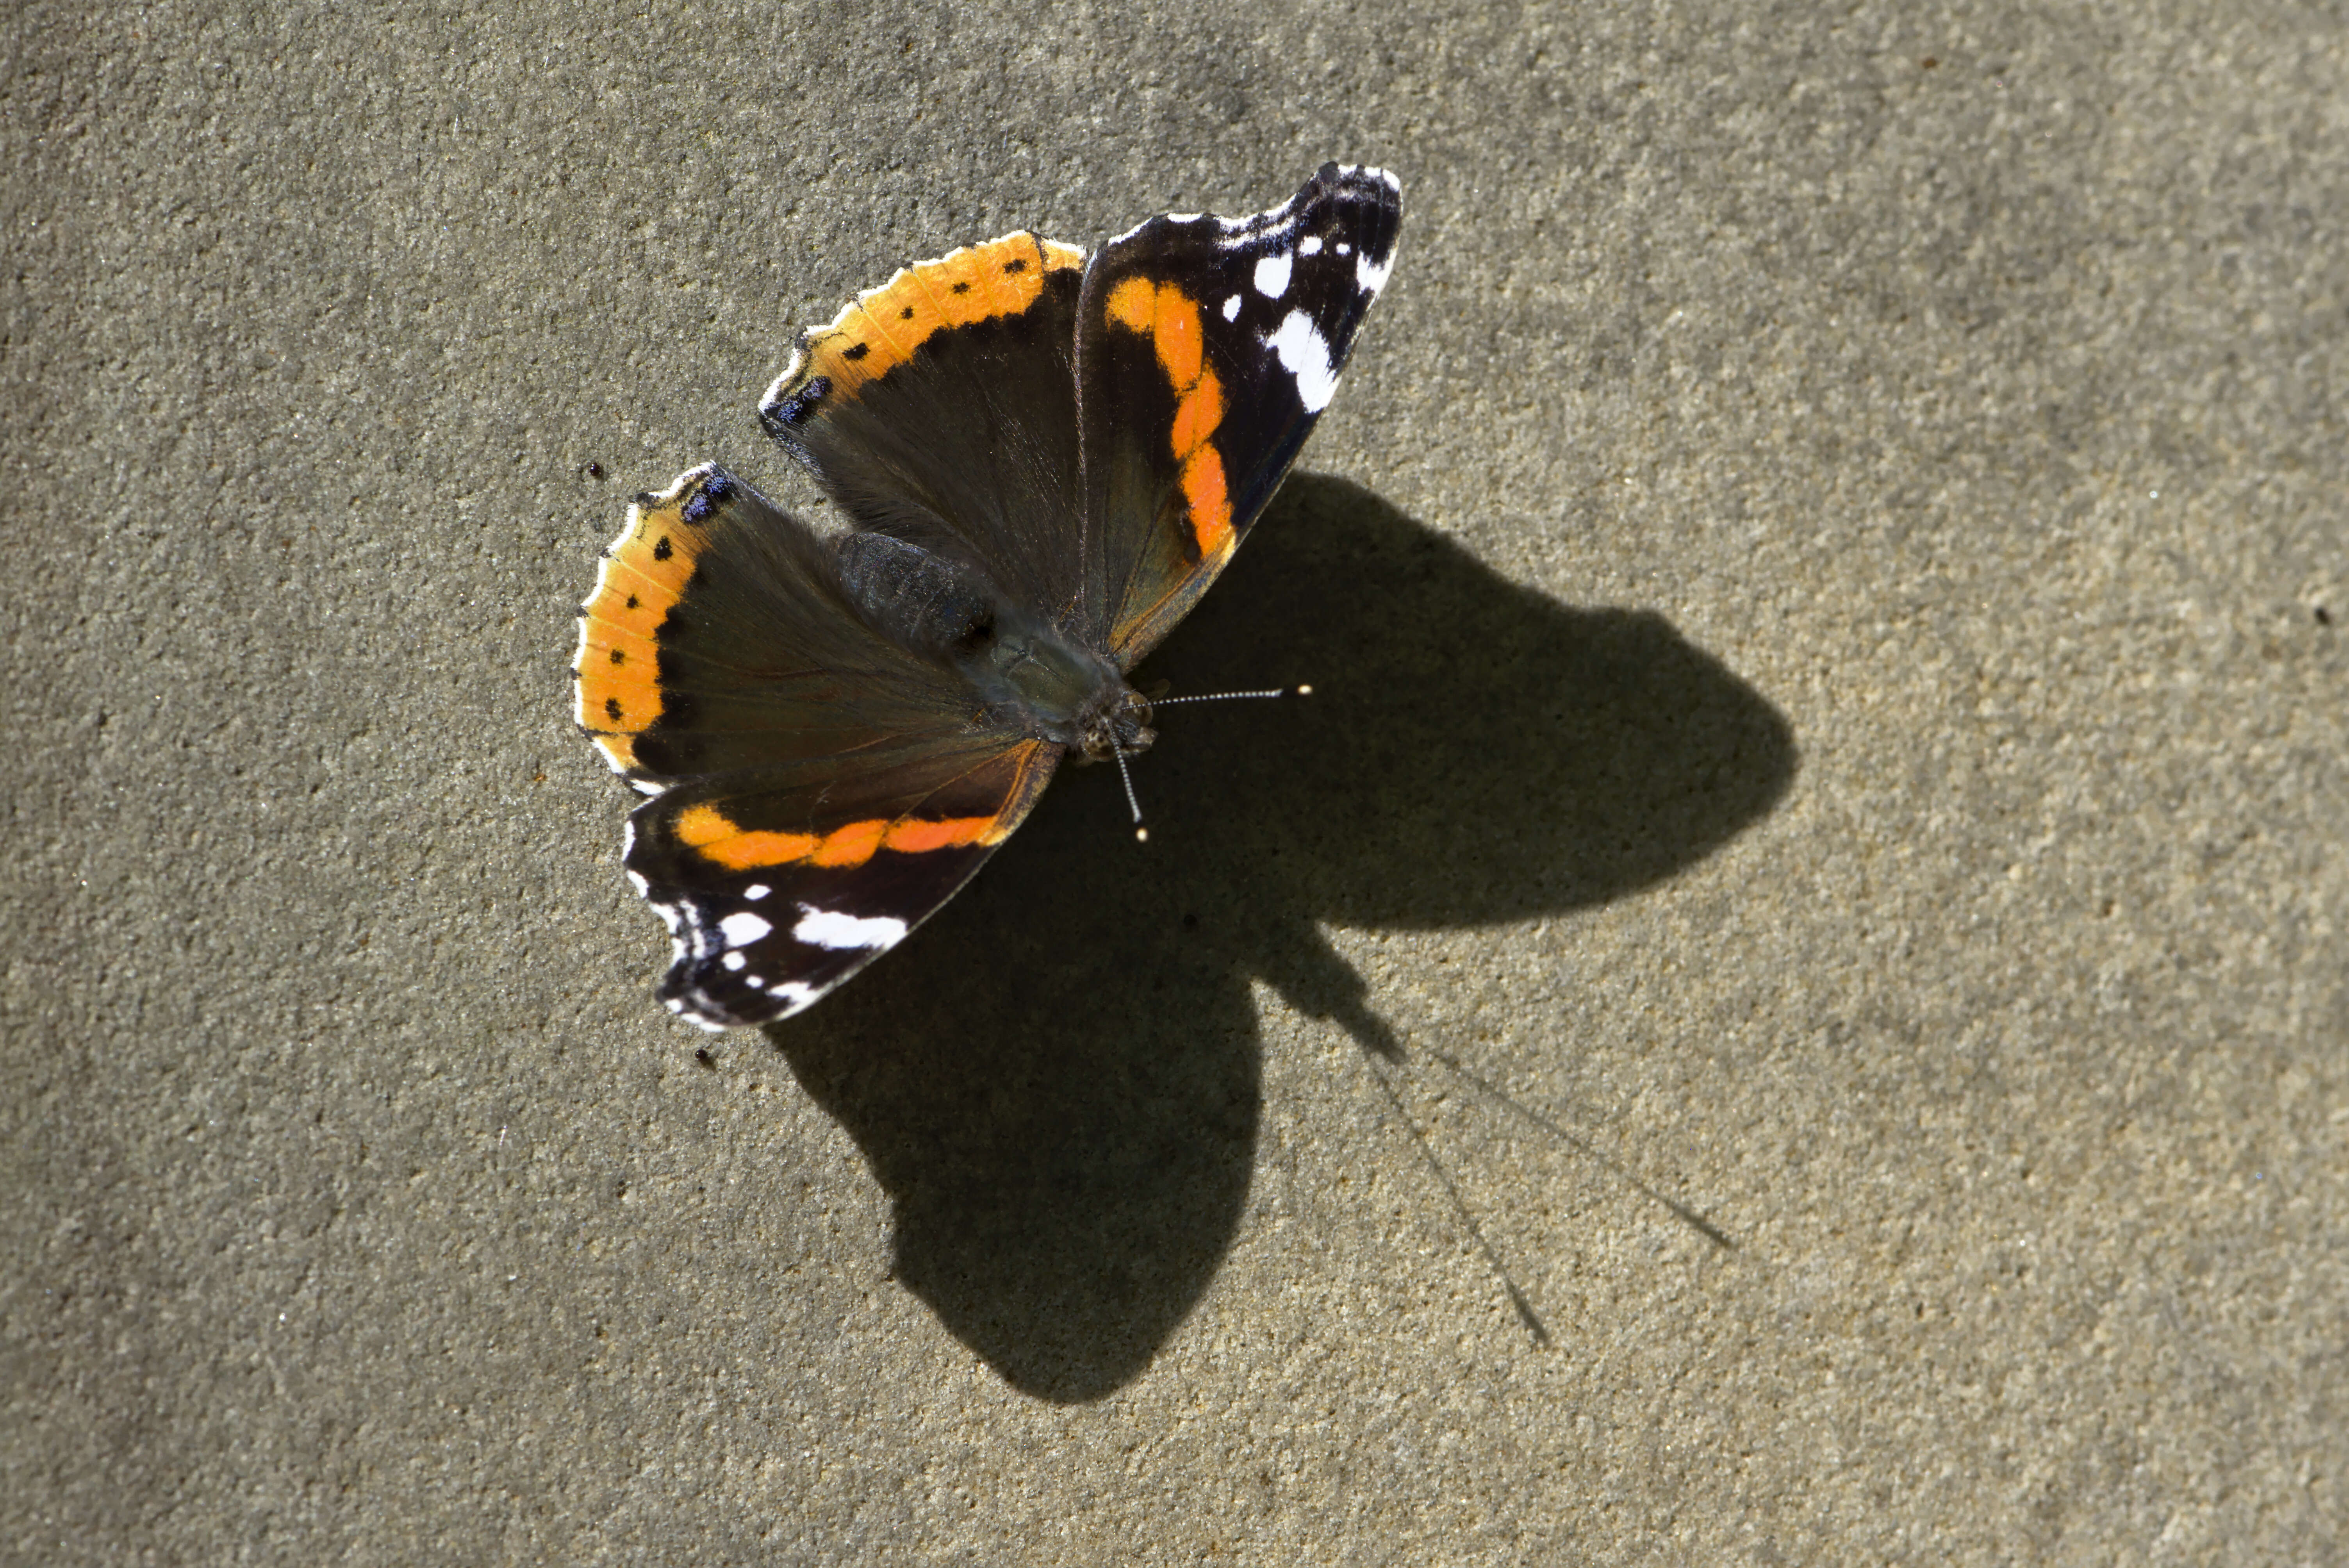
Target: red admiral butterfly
1045	460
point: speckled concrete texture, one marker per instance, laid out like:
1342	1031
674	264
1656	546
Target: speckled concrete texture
1825	828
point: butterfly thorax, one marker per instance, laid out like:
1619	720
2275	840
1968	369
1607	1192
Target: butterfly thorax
1023	670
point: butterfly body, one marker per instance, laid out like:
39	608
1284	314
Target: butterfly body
1044	460
1022	670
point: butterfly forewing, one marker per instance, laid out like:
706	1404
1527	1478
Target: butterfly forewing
941	408
779	885
1207	347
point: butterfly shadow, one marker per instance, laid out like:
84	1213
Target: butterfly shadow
1057	1080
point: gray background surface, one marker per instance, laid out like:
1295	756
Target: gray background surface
1815	578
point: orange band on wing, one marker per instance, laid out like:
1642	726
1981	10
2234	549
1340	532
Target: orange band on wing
1174	333
1198	414
708	830
883	328
748	851
1210	503
913	836
617	664
1171	320
725	842
701	824
1134	304
851	846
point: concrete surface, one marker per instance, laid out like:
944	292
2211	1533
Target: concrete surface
1828	582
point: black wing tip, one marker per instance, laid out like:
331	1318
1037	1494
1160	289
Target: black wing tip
1358	203
697	1010
1356	180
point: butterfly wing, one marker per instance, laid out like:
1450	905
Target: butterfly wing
818	789
1205	349
941	408
779	885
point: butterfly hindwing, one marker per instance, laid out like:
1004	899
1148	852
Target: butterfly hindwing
719	638
941	408
1205	349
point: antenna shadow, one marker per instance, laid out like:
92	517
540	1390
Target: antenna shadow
1057	1080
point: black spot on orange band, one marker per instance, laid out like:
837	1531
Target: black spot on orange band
886	325
642	575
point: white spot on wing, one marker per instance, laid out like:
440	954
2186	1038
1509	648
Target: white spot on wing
832	929
1371	276
734	961
1310	245
1249	233
1344	249
1304	354
645	786
643	889
756	891
795	995
1272	273
1232	309
743	927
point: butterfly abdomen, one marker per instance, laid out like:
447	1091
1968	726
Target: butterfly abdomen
1016	663
917	599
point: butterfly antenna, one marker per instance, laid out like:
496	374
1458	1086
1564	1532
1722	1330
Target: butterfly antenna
1526	1314
1228	696
1141	834
1686	1215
